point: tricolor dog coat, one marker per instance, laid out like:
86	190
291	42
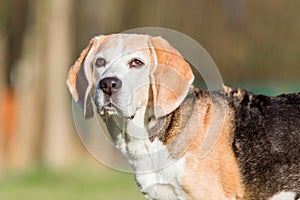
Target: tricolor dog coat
146	82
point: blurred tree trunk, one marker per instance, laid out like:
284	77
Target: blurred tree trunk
45	128
30	84
58	142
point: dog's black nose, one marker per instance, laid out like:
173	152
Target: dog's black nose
110	85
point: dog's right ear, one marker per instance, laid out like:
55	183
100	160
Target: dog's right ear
171	77
79	78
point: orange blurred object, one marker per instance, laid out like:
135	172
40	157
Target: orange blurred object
8	125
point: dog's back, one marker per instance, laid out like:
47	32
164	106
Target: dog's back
266	142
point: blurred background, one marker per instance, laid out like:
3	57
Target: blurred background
255	44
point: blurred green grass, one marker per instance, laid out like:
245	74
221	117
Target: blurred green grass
75	183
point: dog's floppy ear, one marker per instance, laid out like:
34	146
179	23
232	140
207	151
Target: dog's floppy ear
171	77
79	78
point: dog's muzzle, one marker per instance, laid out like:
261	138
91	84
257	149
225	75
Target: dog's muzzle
105	103
109	85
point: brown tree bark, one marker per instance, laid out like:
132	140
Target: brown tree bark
30	83
58	142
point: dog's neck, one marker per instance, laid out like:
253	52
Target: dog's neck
168	127
149	136
144	125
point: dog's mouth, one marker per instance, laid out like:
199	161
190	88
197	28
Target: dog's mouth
111	109
108	109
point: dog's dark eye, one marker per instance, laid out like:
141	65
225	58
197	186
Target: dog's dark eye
100	62
136	63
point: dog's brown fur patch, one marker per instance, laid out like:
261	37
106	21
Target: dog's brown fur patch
217	175
168	129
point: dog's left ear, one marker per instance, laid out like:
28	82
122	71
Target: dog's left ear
171	77
79	78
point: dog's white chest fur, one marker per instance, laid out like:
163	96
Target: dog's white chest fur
163	184
157	174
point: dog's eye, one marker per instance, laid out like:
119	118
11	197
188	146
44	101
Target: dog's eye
136	63
100	62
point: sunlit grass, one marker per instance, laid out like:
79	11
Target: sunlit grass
77	183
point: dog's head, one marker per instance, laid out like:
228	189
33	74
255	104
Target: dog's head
123	73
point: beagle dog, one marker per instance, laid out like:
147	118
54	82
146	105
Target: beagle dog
145	85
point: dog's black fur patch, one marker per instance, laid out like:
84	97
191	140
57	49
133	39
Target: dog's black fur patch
267	142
